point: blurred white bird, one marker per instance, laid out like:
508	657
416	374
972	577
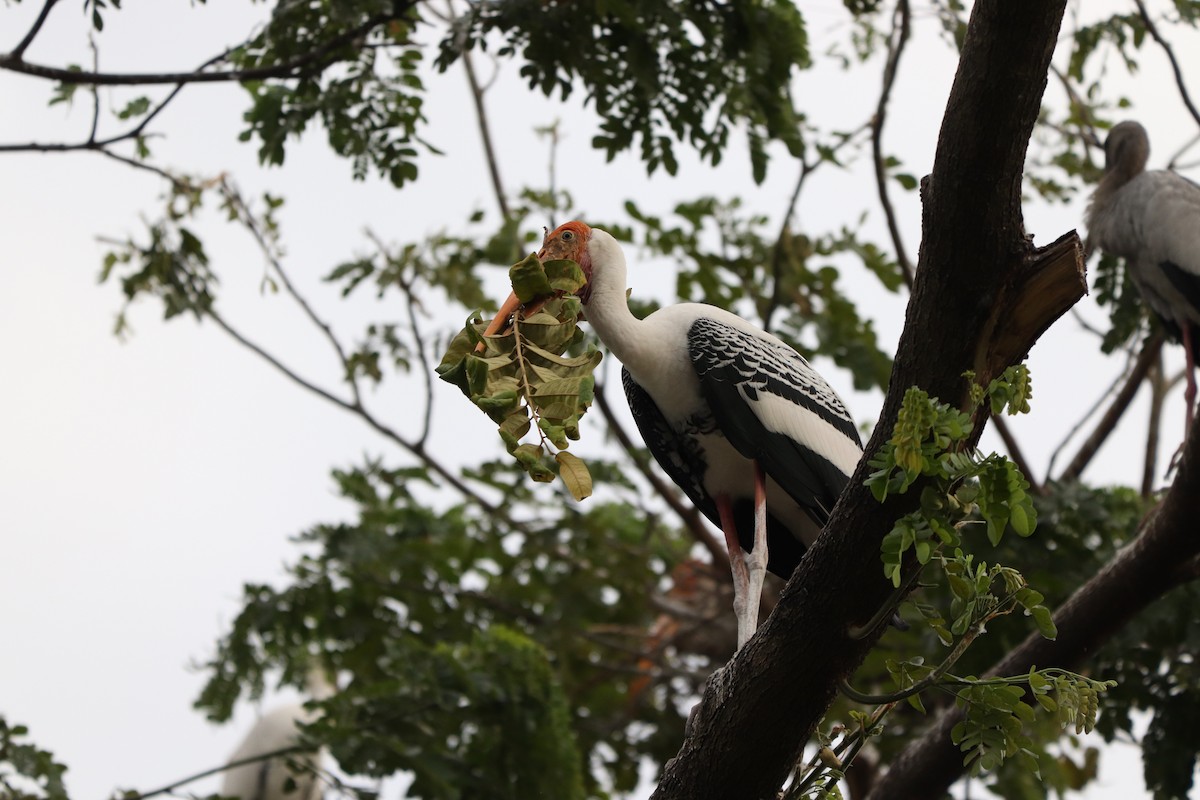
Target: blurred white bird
270	779
1152	219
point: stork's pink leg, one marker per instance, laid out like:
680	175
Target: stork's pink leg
741	574
756	561
749	569
1189	394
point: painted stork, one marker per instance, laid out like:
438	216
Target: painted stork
737	418
1152	219
272	778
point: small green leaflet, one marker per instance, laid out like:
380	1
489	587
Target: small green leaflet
522	379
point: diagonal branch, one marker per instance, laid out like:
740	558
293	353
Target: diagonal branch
899	37
1158	393
1159	559
1152	29
1016	454
23	45
271	253
296	749
1116	410
415	448
14	62
92	143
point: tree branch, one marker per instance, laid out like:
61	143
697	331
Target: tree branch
1152	29
1120	403
1158	393
23	45
414	448
981	296
248	221
1016	454
1162	556
481	118
14	62
171	787
899	37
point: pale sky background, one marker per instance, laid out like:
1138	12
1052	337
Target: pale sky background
142	483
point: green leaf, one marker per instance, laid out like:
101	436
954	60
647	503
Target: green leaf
1045	622
574	474
529	279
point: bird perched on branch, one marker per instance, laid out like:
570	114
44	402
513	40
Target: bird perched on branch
1152	219
283	775
737	418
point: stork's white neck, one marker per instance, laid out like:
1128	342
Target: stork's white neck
607	309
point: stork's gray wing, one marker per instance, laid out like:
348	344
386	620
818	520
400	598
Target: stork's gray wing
773	407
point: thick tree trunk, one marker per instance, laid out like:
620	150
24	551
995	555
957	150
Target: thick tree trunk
982	296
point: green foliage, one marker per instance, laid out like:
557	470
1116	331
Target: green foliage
657	71
404	602
522	381
1115	290
26	772
370	106
997	715
1153	660
171	266
960	488
97	8
493	700
1120	30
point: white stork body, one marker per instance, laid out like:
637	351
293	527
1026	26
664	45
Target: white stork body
737	418
1152	219
269	778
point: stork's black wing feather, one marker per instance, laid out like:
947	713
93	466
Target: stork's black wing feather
677	453
757	390
1186	283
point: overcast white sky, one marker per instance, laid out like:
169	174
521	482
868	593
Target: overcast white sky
142	483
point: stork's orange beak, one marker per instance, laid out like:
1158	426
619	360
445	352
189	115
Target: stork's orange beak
512	305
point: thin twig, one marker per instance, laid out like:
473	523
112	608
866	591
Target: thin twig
248	221
899	37
180	184
1158	392
287	69
1119	404
92	143
1152	29
1091	137
19	51
411	304
777	259
1015	453
481	119
1083	419
170	787
414	448
95	90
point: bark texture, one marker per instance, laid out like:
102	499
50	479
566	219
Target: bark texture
982	296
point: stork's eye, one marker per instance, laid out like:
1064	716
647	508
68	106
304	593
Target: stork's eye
567	236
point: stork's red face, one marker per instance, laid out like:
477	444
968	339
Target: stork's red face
570	241
567	241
